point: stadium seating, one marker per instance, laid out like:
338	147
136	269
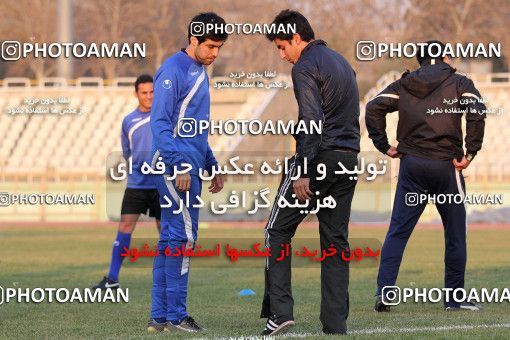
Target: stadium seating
81	142
77	143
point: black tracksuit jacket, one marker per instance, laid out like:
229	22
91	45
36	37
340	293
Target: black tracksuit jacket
326	90
430	103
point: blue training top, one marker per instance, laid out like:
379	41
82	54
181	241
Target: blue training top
181	90
136	140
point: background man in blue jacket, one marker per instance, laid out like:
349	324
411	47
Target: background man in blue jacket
141	195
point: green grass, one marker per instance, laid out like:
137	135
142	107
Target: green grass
78	257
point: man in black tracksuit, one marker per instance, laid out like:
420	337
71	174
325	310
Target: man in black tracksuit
430	102
326	90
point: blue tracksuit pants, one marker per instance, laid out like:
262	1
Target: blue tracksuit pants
170	273
418	176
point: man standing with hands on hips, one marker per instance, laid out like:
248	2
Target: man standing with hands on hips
431	160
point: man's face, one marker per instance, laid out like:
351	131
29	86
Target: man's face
289	51
144	95
206	52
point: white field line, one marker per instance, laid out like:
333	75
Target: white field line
378	330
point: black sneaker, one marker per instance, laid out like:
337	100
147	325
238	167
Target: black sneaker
154	326
107	283
273	328
465	306
380	306
187	325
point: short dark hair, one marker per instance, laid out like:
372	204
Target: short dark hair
431	50
142	79
207	18
294	18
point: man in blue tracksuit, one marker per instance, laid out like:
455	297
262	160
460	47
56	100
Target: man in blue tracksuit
431	102
181	101
141	195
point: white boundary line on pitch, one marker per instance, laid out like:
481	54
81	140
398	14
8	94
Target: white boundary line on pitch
423	329
375	331
405	330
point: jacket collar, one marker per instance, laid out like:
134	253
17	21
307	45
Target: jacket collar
433	61
313	43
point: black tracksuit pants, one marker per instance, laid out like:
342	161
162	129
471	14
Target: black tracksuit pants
333	229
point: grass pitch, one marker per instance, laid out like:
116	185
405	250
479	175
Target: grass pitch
78	257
